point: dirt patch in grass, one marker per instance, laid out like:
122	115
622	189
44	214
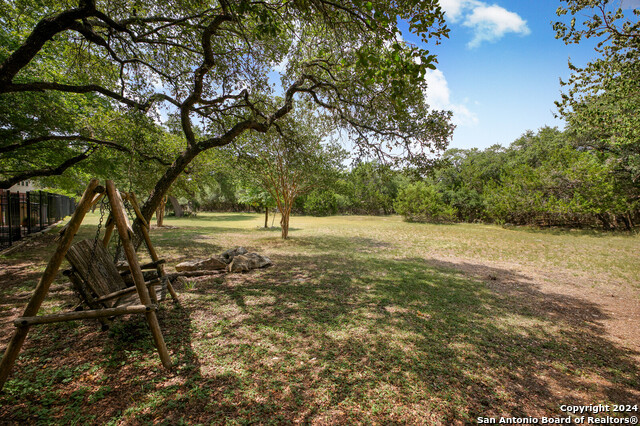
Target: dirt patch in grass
355	323
615	306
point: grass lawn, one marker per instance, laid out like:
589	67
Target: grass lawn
361	320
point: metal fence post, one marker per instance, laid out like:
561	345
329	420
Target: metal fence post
40	211
51	208
28	212
9	217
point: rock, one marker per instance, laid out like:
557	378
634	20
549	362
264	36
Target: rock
240	263
211	264
246	262
228	255
234	260
258	261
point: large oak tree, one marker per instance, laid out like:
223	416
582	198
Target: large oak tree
224	68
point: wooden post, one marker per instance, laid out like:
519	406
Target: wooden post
108	230
117	210
136	208
39	294
80	315
96	200
144	227
152	250
125	291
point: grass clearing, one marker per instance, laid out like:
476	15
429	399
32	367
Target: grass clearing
361	320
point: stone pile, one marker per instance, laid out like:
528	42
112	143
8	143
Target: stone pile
233	260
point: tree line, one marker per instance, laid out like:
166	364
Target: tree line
242	103
84	81
544	178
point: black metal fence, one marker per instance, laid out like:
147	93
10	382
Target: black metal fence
23	213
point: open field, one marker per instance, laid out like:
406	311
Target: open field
361	320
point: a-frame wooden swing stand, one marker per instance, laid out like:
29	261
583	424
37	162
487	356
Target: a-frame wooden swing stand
145	306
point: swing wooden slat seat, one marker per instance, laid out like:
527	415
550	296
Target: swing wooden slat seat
93	274
96	278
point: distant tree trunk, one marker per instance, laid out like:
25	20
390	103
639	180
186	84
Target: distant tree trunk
266	216
285	211
284	224
176	206
160	212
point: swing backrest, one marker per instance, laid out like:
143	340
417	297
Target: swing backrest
94	268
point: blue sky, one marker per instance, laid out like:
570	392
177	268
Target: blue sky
499	70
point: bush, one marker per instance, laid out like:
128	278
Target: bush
323	203
421	202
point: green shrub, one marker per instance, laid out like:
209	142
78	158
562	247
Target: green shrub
321	203
421	202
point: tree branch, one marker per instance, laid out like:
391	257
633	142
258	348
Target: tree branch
44	31
48	171
108	144
199	74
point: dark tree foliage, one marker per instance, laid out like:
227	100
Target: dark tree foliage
540	179
602	99
210	62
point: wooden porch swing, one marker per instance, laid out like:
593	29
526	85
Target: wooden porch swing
96	278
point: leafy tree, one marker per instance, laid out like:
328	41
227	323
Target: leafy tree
421	202
294	160
462	178
547	181
48	133
543	178
603	98
374	187
209	62
256	196
324	202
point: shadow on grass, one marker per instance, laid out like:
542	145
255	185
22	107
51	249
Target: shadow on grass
190	243
335	244
416	333
573	232
345	337
235	217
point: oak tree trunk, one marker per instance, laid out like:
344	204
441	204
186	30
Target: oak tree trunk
165	182
176	206
160	212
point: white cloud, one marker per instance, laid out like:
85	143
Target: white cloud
439	97
630	4
488	22
454	8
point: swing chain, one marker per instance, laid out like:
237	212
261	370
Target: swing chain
102	210
97	237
